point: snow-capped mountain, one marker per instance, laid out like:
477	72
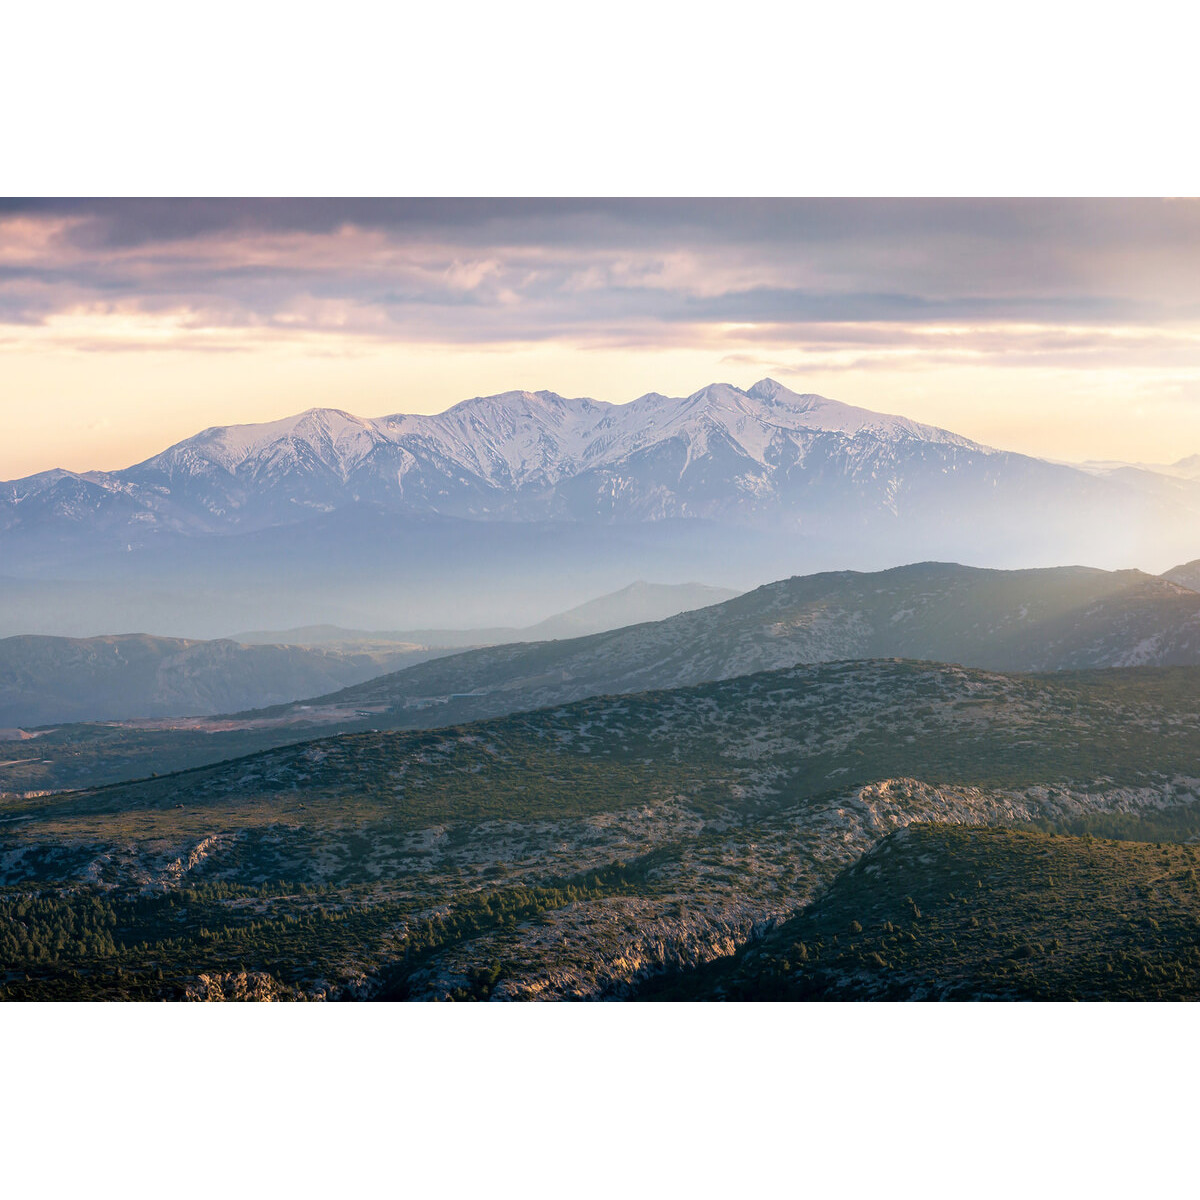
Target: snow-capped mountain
556	499
721	453
527	442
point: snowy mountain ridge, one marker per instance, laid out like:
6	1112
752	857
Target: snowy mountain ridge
518	437
718	453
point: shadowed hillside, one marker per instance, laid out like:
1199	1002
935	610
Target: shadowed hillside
940	912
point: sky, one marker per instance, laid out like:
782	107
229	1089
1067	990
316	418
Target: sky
1068	329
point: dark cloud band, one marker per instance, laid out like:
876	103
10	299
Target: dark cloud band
512	269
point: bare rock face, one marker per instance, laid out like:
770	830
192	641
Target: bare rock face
602	949
239	985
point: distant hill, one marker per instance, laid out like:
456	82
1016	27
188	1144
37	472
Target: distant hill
1186	575
630	606
44	680
50	679
640	601
1037	620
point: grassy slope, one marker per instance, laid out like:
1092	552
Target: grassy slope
811	729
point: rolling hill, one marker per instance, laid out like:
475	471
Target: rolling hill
1035	620
568	853
1064	618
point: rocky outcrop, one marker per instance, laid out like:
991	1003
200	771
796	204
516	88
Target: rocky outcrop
239	985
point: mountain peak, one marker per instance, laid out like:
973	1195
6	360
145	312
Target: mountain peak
769	389
519	398
714	391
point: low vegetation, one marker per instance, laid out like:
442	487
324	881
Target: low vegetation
577	851
959	913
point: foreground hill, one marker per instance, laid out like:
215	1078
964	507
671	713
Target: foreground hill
50	679
940	912
569	852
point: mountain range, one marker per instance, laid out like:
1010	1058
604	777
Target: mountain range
521	455
506	508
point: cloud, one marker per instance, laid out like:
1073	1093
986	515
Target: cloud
876	273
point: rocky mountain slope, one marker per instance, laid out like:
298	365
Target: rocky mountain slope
567	853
